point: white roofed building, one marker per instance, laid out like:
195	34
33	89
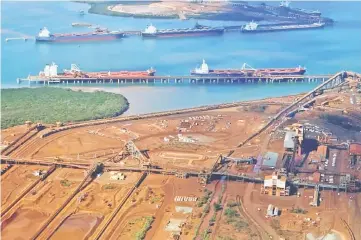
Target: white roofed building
275	185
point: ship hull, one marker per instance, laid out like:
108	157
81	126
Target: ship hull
218	74
300	72
253	73
261	30
182	34
80	38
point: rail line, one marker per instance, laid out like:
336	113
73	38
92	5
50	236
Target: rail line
157	114
20	140
242	211
77	190
115	212
42	178
352	235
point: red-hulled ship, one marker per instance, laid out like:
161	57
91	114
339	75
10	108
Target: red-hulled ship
246	70
51	72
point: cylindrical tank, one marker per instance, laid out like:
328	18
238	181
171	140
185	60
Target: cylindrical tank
47	70
53	70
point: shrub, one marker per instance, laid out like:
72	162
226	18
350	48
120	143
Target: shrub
51	105
65	183
217	207
231	213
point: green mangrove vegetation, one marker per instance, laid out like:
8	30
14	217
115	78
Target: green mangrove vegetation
49	105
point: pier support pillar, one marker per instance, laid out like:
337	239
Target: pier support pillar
118	81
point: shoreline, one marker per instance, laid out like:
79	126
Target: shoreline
187	10
136	109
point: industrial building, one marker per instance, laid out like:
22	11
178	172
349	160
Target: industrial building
275	185
272	211
270	160
299	130
355	152
322	152
289	143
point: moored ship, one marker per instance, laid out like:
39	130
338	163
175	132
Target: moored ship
51	72
246	71
253	27
99	34
152	32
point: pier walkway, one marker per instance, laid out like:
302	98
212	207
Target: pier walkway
176	80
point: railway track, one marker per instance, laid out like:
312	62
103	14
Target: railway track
34	145
158	114
242	211
27	190
20	140
115	212
352	235
58	211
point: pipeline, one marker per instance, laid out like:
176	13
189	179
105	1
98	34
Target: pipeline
140	180
42	178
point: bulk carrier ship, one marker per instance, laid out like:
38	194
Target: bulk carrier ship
253	27
99	34
51	72
246	71
152	32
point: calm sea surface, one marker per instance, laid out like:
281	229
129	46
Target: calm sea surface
322	51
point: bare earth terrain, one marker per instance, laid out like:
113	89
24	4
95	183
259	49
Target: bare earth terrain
151	184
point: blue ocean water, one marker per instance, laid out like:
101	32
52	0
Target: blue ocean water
322	51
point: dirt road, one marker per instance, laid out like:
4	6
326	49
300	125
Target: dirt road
267	232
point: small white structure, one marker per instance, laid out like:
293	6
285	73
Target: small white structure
270	210
203	69
185	139
250	26
44	32
150	29
276	211
38	173
49	70
165	139
185	199
116	176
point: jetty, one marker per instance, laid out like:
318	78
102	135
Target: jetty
209	80
17	38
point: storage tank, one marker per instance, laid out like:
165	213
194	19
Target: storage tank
270	210
53	70
276	211
47	70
